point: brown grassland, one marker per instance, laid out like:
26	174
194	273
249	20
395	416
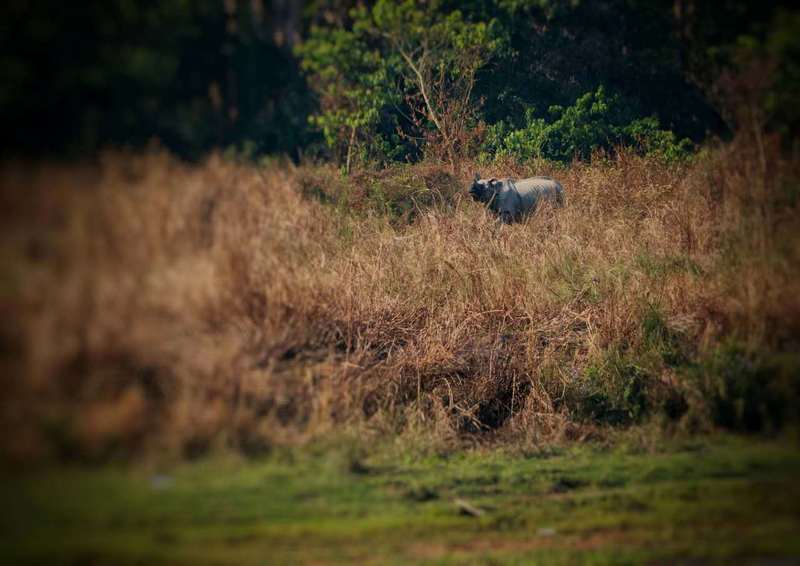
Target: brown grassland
153	305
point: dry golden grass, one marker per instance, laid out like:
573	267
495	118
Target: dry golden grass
149	304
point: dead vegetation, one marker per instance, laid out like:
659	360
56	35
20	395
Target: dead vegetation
153	305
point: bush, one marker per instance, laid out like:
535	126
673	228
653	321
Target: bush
399	192
613	391
747	391
659	337
597	120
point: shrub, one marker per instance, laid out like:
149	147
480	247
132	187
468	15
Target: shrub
613	391
749	391
597	120
646	135
659	337
399	192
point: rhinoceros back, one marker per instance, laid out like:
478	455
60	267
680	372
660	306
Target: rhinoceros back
540	188
524	195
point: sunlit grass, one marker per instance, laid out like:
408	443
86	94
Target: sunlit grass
174	309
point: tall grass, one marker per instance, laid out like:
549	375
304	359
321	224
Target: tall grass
154	305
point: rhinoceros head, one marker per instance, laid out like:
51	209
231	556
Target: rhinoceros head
484	190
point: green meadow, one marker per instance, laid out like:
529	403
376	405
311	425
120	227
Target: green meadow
714	499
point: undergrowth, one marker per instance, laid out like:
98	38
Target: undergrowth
154	305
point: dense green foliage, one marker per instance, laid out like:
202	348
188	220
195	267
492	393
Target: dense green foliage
386	81
595	121
403	70
355	90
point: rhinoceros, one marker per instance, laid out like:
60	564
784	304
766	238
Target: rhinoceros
513	199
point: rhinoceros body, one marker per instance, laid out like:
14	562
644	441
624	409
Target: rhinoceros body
513	199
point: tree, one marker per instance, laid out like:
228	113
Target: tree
353	85
407	61
440	54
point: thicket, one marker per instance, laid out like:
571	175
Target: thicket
595	122
400	80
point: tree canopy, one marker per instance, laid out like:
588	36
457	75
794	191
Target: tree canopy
376	81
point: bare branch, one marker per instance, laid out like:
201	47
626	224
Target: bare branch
423	88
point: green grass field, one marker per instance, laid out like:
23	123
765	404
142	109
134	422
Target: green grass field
716	499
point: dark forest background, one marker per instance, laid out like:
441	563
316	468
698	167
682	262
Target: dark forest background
262	77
